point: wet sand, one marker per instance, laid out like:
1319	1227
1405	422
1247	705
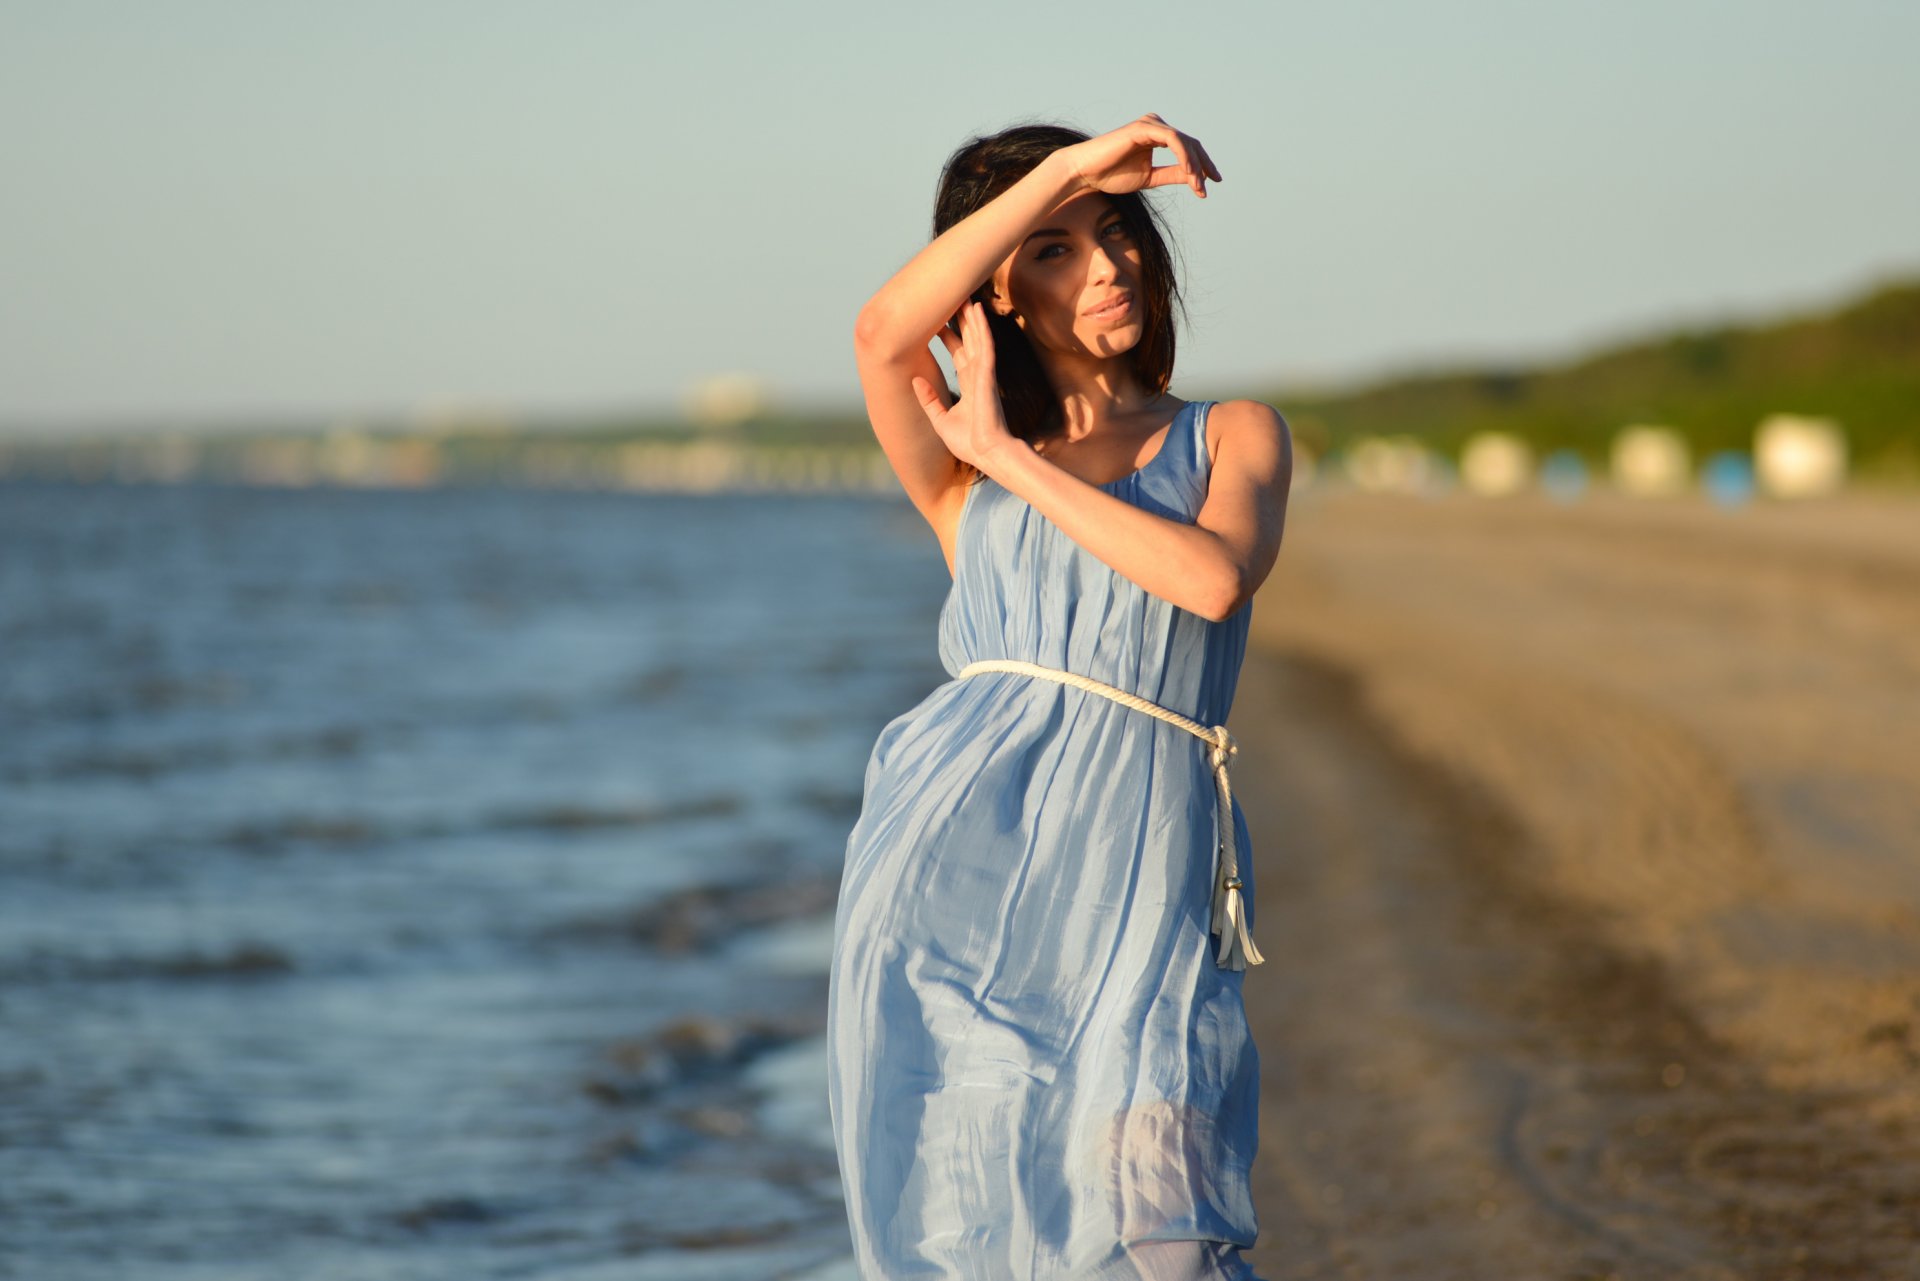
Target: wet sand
1587	841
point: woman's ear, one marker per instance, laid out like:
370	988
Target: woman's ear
996	294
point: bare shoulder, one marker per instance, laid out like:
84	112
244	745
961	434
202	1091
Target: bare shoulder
1253	433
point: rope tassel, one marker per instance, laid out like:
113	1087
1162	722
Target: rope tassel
1236	950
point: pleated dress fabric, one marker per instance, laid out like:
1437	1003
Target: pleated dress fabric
1036	1068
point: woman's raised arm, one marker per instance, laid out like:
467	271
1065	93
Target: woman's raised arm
894	328
1211	567
891	336
925	294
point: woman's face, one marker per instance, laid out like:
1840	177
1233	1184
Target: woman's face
1078	260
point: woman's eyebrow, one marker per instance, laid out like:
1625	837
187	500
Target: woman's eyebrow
1062	231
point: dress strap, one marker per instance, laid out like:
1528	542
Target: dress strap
1202	460
1229	908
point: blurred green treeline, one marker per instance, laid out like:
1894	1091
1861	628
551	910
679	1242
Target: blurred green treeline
1858	364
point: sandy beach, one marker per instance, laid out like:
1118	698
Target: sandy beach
1587	840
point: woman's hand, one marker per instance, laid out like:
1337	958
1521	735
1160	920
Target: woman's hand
973	428
1122	161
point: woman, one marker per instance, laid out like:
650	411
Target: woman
1040	1066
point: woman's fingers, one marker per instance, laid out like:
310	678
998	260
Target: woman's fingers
1156	132
963	362
1207	161
1199	166
949	339
1166	175
980	346
1121	160
1182	146
955	336
930	401
1195	167
972	352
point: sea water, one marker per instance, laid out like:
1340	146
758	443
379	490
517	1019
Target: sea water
432	883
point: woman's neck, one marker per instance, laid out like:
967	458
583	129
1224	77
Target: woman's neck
1093	402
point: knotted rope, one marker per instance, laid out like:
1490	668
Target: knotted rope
1229	908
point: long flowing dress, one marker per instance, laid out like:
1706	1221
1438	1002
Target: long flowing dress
1036	1068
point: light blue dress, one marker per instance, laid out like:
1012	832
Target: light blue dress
1036	1068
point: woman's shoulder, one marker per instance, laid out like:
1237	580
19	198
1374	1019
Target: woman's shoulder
1252	426
1248	409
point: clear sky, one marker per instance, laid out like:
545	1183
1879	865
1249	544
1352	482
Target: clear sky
215	210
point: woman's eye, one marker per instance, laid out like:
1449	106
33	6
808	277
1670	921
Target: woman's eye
1110	228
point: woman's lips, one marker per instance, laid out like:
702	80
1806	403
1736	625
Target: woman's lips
1114	309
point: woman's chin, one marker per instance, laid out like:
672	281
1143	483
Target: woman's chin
1114	340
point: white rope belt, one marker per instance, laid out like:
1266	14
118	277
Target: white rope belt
1229	909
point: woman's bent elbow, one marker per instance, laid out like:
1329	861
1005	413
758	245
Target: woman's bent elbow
864	326
872	329
1227	598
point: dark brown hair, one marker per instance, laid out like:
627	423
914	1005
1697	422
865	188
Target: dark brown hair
981	170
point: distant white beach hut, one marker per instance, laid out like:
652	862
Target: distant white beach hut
1649	460
1496	462
725	399
1391	464
1799	457
348	455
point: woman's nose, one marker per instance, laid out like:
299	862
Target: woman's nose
1101	265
